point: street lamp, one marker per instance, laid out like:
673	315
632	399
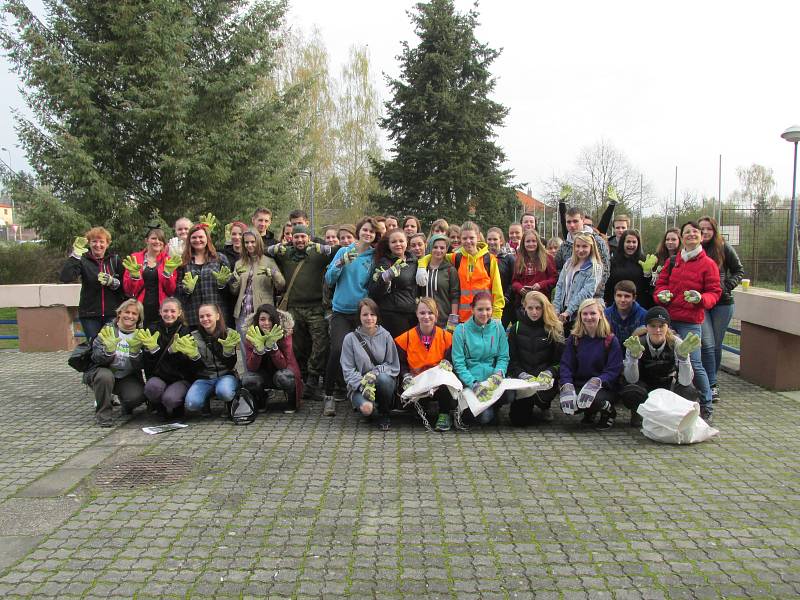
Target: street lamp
311	185
792	134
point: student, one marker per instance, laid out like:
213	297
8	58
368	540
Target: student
515	235
629	263
477	270
480	352
586	220
578	279
440	280
528	222
553	244
454	234
149	274
331	236
286	234
496	244
591	366
416	244
168	372
534	270
688	288
380	222
101	273
393	284
439	227
233	241
717	318
270	359
621	224
625	314
669	246
411	225
535	344
203	275
424	347
391	223
262	219
349	272
212	349
347	234
178	243
370	364
575	225
656	358
117	363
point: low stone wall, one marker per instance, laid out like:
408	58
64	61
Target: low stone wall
45	314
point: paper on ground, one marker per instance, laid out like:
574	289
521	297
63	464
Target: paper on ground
163	428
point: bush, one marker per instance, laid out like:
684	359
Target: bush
29	263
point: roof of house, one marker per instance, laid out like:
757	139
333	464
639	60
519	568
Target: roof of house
529	202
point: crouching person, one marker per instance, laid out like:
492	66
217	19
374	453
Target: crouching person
117	363
270	358
535	344
370	365
591	366
656	358
212	349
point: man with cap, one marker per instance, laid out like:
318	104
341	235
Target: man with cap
656	358
303	266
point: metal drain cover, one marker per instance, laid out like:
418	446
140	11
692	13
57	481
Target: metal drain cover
143	471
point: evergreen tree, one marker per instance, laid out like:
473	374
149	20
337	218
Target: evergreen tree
445	162
148	107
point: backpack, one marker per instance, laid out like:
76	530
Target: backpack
243	407
80	358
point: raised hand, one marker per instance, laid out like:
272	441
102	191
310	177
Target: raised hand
108	339
79	246
611	193
222	276
228	238
133	267
273	336
648	263
187	346
634	347
230	341
135	342
687	346
172	263
147	339
256	338
566	192
189	282
106	279
210	221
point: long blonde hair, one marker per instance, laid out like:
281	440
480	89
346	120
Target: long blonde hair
537	259
552	324
603	326
594	255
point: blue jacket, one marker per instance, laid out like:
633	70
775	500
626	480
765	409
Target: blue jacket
590	358
350	281
479	351
623	328
584	286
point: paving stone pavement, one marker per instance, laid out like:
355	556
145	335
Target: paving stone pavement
303	506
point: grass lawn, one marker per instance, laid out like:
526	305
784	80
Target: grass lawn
8	314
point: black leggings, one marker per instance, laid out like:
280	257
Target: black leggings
521	411
341	325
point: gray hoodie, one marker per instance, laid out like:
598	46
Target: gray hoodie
356	363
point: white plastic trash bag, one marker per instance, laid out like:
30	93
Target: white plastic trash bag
671	419
468	399
427	382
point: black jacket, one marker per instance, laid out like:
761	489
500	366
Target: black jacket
96	300
166	365
400	294
531	350
730	275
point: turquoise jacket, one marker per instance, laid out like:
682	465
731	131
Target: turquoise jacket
350	281
479	351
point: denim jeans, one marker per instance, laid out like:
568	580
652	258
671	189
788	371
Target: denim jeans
223	387
92	325
384	395
700	375
714	326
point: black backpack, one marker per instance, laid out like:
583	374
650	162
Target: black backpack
80	358
243	407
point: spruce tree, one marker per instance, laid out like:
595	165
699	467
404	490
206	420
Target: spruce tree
441	121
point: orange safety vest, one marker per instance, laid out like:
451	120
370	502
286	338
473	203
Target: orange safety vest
472	281
419	357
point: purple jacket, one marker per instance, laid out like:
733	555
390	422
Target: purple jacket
590	359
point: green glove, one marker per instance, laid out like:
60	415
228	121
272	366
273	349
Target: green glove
368	391
665	296
210	220
611	193
408	381
257	339
230	342
222	276
314	247
347	258
189	281
273	335
267	271
634	346
108	339
546	379
687	346
132	267
172	263
566	192
378	273
692	296
445	364
648	263
369	379
106	279
228	238
79	246
187	345
147	339
135	342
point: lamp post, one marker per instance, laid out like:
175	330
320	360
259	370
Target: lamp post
792	134
10	168
311	207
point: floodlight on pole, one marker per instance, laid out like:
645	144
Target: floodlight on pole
310	174
792	134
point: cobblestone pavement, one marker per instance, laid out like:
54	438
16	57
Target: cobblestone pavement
303	506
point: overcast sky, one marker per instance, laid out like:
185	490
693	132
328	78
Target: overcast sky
669	84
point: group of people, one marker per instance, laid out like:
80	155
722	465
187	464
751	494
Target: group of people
362	311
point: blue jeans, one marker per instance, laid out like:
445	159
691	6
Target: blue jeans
223	387
92	325
700	375
714	326
384	394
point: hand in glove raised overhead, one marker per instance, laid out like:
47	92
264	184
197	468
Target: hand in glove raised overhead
687	346
566	192
228	229
634	347
210	221
567	399
132	267
109	339
172	263
692	296
648	263
665	296
107	280
189	281
222	276
147	339
187	346
229	342
257	339
588	392
611	193
79	246
452	322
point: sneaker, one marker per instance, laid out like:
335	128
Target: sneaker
105	423
546	415
607	418
329	408
443	423
706	415
384	423
636	419
714	393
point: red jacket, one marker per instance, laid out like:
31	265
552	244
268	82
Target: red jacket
700	274
166	285
546	280
272	361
